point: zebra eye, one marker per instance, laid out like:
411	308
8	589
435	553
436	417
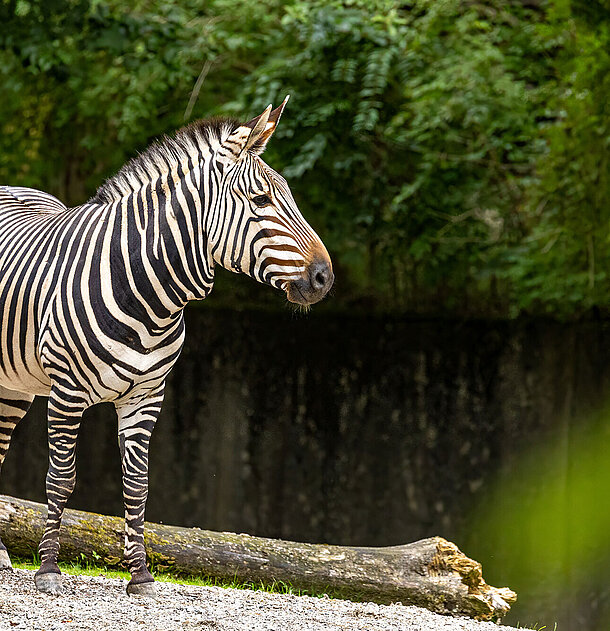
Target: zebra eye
261	200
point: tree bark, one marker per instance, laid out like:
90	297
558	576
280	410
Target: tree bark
431	573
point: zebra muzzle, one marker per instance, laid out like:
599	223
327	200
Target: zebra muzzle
313	286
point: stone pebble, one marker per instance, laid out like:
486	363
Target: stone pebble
96	603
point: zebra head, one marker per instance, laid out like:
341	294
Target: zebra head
256	227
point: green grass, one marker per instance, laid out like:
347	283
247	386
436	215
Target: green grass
86	568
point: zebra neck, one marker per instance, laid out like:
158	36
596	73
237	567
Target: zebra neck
166	260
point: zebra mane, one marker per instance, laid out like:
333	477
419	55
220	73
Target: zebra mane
156	157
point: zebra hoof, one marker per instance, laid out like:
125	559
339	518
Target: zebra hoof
49	584
142	589
5	561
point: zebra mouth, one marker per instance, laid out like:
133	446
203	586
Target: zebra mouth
295	295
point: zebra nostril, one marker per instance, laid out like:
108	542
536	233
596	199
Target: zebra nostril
319	280
319	276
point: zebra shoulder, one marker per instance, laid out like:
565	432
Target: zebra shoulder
35	200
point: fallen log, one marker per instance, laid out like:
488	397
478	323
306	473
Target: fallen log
431	573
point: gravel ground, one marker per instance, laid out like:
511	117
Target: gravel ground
100	604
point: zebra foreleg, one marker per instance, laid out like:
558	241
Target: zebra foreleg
64	418
136	423
13	406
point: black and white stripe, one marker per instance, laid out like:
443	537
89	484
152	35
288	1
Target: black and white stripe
92	298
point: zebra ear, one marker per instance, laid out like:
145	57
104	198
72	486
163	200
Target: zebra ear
258	141
254	135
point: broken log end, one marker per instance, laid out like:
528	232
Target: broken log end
489	603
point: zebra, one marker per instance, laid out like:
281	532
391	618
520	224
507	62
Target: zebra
92	297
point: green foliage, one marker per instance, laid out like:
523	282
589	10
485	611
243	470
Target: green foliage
563	264
452	154
423	121
89	83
